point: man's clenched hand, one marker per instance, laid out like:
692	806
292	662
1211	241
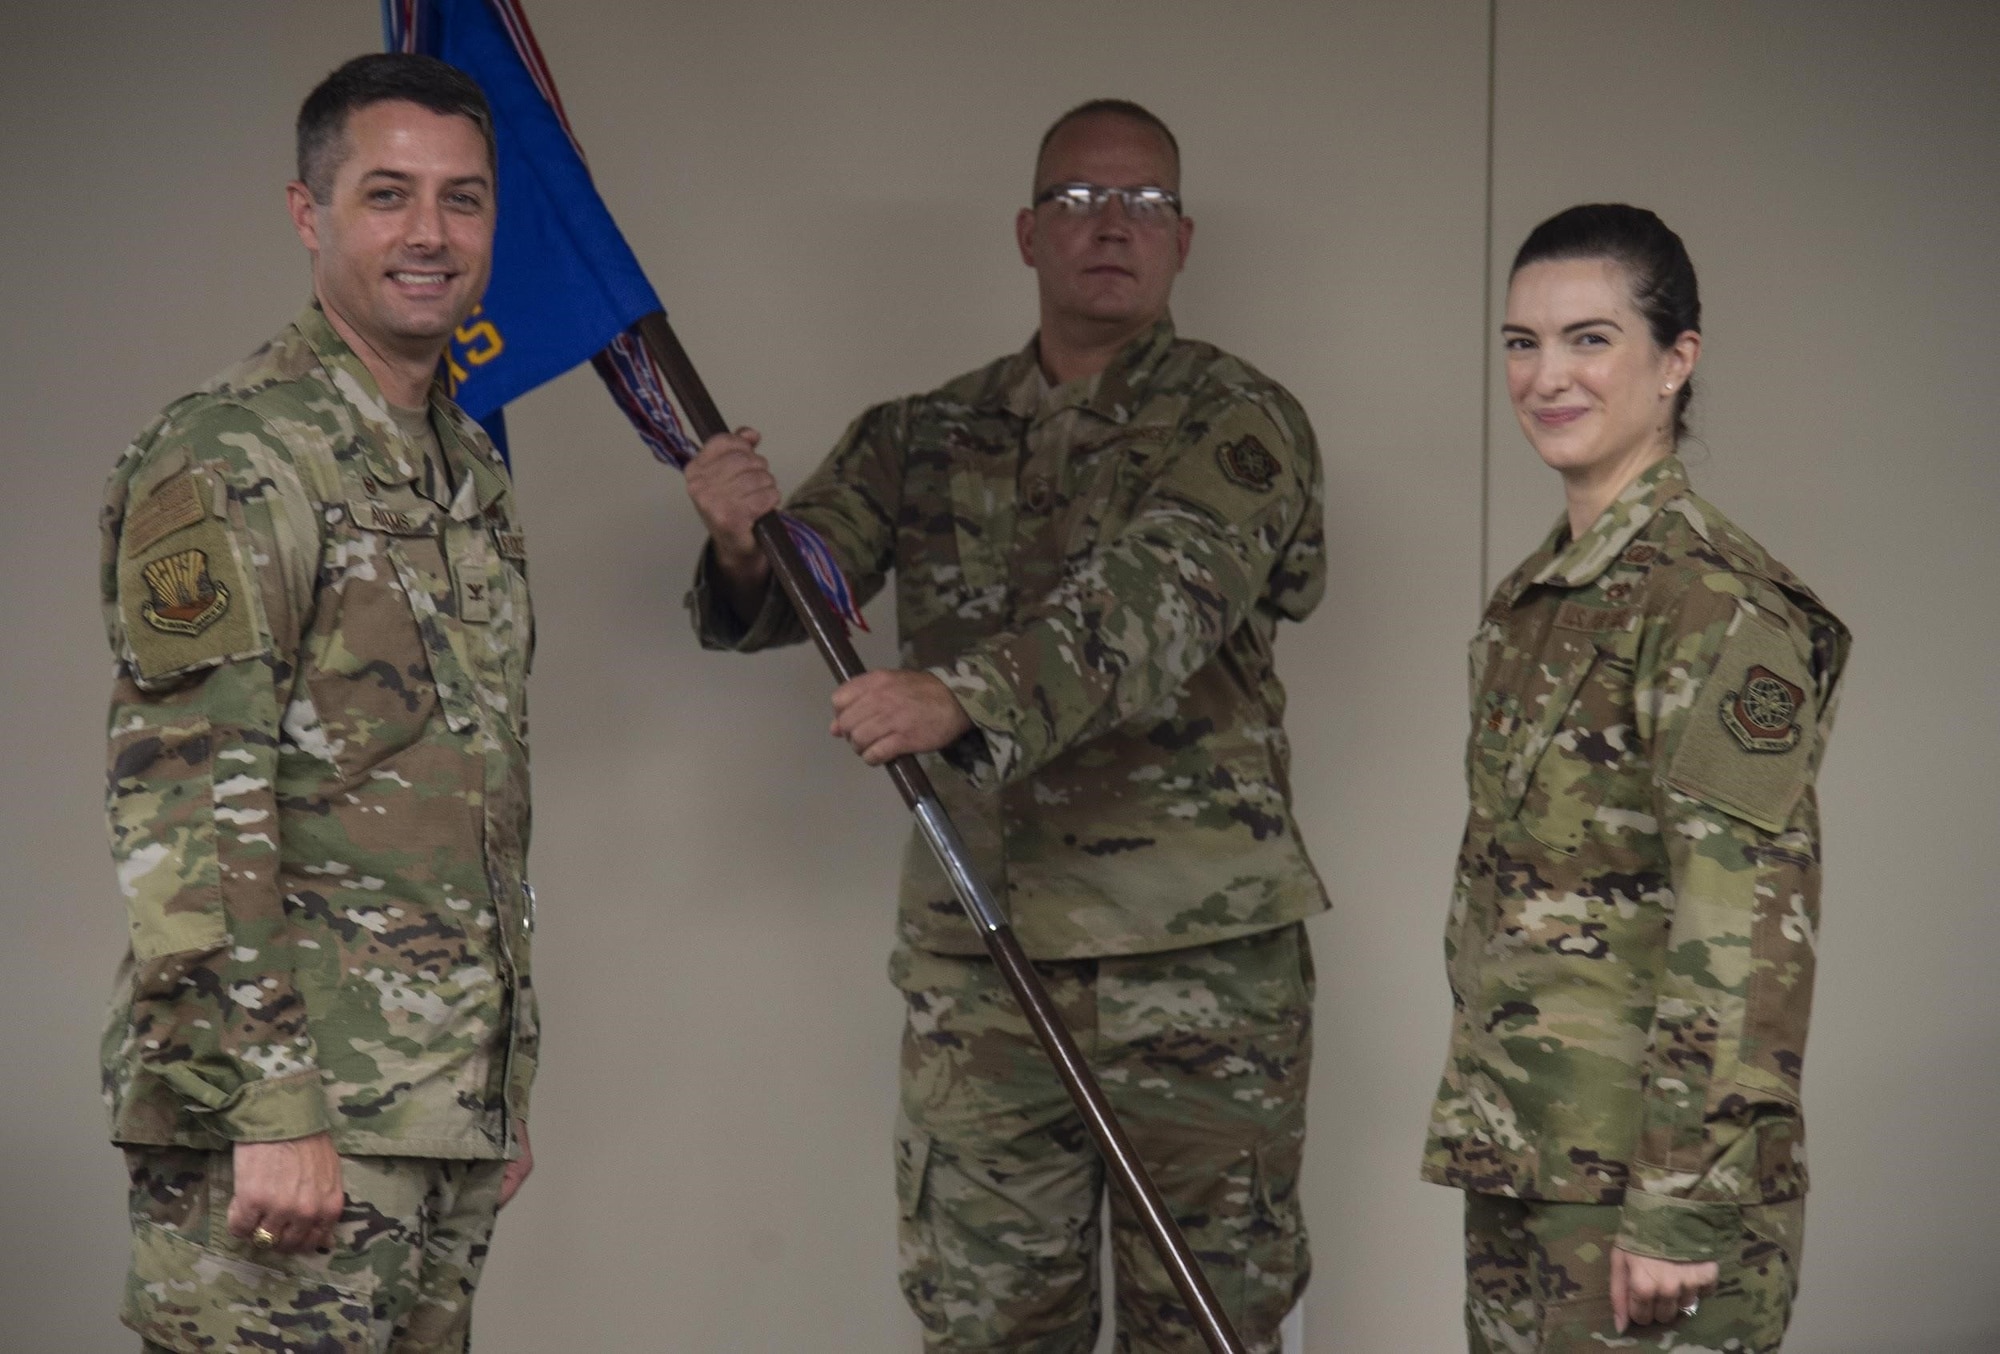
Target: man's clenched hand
290	1189
890	712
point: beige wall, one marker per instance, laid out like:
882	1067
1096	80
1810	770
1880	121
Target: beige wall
822	194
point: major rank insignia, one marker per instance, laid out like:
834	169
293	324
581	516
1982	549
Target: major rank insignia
182	598
1763	713
1245	462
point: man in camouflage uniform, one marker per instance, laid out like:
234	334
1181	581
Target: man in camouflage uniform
1632	934
1094	541
319	1059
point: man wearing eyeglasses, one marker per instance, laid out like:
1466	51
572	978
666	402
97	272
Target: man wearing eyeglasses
1094	540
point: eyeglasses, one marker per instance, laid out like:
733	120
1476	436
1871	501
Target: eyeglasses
1147	206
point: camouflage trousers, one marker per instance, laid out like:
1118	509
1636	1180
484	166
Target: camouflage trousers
1538	1281
411	1241
1204	1054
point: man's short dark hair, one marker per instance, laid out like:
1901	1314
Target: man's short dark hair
1123	108
378	78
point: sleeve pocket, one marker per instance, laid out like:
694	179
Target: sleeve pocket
187	603
161	808
1748	745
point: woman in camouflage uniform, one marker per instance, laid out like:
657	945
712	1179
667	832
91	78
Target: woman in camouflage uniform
1631	937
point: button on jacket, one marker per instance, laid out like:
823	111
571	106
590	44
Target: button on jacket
1097	571
318	782
1632	932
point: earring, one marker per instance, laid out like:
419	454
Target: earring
1667	389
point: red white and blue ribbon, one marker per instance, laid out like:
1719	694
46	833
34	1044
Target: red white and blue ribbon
625	364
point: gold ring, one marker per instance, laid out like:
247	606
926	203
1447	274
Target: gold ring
263	1238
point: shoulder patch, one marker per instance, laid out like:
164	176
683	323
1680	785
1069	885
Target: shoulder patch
181	597
1748	745
185	604
175	504
1763	712
1247	463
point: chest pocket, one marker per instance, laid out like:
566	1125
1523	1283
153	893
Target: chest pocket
369	669
1518	712
1112	478
509	635
982	514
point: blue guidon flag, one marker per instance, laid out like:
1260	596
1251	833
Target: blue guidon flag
565	285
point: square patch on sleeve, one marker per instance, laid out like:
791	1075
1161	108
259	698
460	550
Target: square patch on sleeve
185	603
1748	745
176	504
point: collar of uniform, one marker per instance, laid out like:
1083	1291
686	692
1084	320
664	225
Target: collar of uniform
1579	563
1113	393
381	442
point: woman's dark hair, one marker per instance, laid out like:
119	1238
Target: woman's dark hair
1663	282
379	77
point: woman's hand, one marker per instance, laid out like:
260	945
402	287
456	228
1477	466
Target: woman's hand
1646	1291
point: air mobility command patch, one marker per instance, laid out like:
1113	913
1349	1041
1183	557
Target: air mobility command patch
1246	463
1746	747
1764	712
182	597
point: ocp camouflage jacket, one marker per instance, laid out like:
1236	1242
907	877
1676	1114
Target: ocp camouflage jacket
1631	942
318	788
1097	571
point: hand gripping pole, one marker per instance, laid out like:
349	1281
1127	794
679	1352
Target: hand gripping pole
829	635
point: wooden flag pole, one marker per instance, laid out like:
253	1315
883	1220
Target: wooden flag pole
829	634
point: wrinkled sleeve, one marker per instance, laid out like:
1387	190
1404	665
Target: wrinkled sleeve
210	551
852	502
1146	608
1735	715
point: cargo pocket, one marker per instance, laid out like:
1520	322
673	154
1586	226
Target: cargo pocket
919	1268
913	1158
185	1296
160	801
1279	1260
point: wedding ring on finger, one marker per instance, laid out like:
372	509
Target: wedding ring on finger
1691	1308
263	1238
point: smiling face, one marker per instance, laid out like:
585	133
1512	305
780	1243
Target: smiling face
403	244
1592	389
1105	274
